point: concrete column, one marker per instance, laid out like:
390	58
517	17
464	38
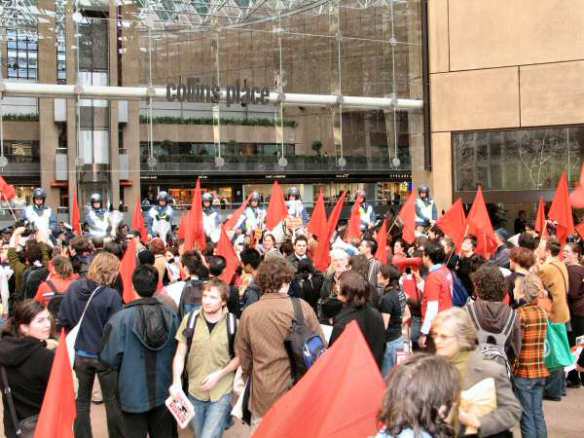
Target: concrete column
113	106
47	73
71	54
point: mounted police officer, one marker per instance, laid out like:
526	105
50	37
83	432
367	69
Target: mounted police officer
211	218
43	217
161	217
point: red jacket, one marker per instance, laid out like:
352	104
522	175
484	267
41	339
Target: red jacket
438	287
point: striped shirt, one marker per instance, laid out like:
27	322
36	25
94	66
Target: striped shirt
530	364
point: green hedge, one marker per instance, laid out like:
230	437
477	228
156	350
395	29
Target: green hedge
209	121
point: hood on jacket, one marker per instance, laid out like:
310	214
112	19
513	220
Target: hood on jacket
85	288
152	323
492	314
16	350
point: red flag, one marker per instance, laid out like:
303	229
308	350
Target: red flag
561	211
76	216
321	255
232	222
127	268
277	208
407	216
453	223
381	239
226	250
138	221
59	410
318	223
354	225
577	196
182	227
344	400
7	190
195	231
479	225
540	225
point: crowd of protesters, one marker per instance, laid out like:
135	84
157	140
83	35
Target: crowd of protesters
437	320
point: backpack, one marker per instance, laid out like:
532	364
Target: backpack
302	345
459	292
32	279
190	297
54	298
492	345
189	332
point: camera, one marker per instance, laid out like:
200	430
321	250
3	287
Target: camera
29	227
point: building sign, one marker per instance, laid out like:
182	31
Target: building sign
196	91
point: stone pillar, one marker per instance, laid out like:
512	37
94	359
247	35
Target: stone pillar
113	106
71	59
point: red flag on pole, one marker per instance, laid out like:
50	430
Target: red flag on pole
479	225
354	225
76	216
7	189
577	196
453	223
318	223
561	211
138	221
182	227
58	410
277	208
127	268
540	225
232	221
321	256
344	400
195	231
381	240
407	216
226	250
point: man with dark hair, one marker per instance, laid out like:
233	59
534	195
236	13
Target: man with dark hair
468	263
139	343
188	293
368	248
260	341
501	256
81	250
437	288
216	265
554	276
528	240
248	291
300	248
492	314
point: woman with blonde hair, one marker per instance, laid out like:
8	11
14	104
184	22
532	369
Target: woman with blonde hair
455	338
93	297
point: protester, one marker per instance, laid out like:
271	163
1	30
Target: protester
456	339
60	278
268	246
354	294
468	263
26	360
206	340
368	248
392	306
529	371
138	343
330	306
105	302
260	341
572	253
248	291
300	247
414	405
191	292
158	249
521	261
307	283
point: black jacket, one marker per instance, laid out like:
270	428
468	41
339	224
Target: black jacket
371	325
105	303
28	365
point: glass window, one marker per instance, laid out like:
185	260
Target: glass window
22	54
517	159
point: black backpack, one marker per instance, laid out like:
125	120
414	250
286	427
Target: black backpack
54	299
302	345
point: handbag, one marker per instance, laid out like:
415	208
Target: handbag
26	427
557	353
71	337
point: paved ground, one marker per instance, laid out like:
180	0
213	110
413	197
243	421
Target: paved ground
563	419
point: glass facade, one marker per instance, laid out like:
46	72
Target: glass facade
22	52
517	159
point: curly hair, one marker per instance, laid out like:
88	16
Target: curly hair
414	401
522	256
489	283
273	273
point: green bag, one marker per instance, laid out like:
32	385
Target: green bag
557	353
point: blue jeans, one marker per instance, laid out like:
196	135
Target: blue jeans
211	418
415	329
390	356
555	385
529	392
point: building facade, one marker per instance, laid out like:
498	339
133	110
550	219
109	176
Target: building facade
345	81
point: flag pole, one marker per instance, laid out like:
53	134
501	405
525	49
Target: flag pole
9	206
